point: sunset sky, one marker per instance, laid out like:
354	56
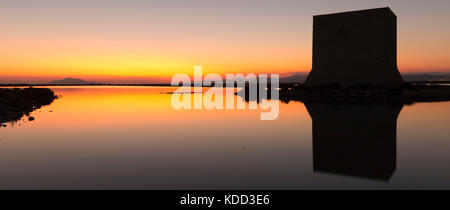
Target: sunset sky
137	40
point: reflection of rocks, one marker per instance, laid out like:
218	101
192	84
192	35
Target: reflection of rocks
260	94
15	103
355	139
407	94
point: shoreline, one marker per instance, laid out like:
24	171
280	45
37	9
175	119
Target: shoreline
410	93
283	84
69	85
18	102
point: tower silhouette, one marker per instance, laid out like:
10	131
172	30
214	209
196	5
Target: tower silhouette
354	139
353	48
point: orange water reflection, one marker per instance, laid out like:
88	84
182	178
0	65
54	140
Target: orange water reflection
131	137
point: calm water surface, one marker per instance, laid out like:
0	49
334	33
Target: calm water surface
132	138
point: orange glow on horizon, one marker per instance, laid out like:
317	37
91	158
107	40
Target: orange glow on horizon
103	59
151	40
100	58
158	59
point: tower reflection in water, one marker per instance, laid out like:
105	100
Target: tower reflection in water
355	139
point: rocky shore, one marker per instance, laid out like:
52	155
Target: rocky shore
407	94
16	102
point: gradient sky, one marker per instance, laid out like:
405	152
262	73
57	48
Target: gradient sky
137	40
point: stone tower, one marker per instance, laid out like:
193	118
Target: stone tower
355	48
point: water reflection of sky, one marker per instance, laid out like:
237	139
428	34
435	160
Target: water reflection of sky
118	137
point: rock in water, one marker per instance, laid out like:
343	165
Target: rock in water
15	102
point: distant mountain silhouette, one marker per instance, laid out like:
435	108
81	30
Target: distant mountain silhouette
71	81
296	77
